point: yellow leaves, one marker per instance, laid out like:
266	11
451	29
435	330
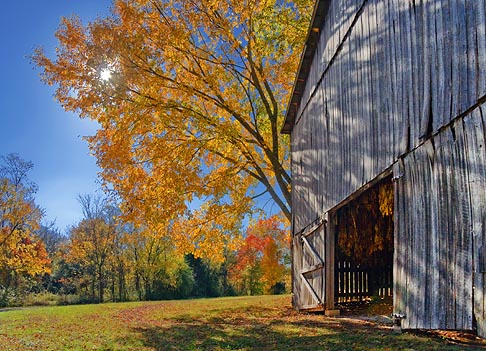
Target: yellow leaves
91	241
193	107
385	198
20	251
273	270
26	257
72	31
210	231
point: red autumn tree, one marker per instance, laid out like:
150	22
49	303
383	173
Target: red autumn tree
260	265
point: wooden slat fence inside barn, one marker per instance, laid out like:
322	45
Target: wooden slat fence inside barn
356	282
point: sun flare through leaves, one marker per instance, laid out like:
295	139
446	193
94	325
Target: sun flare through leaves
192	112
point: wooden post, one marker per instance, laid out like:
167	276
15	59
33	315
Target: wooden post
330	266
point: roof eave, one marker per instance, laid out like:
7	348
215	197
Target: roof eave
318	16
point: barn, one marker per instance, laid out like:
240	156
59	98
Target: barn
387	128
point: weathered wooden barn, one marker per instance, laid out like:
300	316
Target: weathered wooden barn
387	123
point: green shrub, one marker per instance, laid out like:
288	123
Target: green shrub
41	299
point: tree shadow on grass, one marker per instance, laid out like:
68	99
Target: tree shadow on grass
259	328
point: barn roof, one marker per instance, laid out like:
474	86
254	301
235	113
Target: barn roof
320	11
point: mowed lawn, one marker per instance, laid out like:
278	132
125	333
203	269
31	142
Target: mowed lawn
236	323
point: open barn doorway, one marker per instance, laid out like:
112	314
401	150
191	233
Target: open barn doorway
364	250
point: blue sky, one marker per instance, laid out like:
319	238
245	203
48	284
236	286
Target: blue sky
32	123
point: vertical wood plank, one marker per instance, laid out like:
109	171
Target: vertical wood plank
365	169
407	251
441	228
474	128
434	261
404	64
331	261
398	237
481	45
390	79
465	100
386	80
464	255
428	27
456	57
417	53
440	93
374	132
472	69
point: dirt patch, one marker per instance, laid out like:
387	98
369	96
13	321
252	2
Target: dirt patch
369	308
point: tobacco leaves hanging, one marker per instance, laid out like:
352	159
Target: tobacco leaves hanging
365	226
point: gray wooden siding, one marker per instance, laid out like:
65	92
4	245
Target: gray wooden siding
402	84
439	228
385	74
340	16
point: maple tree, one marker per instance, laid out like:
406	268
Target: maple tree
273	270
22	253
260	265
189	96
246	273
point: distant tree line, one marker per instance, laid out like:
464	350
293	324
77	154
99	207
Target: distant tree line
104	257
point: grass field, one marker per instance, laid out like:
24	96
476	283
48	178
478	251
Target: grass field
238	323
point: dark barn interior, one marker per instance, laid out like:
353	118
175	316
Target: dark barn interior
364	246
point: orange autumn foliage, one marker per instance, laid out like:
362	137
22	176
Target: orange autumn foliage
260	260
21	252
190	97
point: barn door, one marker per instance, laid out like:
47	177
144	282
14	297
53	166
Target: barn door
311	273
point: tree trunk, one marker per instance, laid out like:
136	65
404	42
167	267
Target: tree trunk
100	283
